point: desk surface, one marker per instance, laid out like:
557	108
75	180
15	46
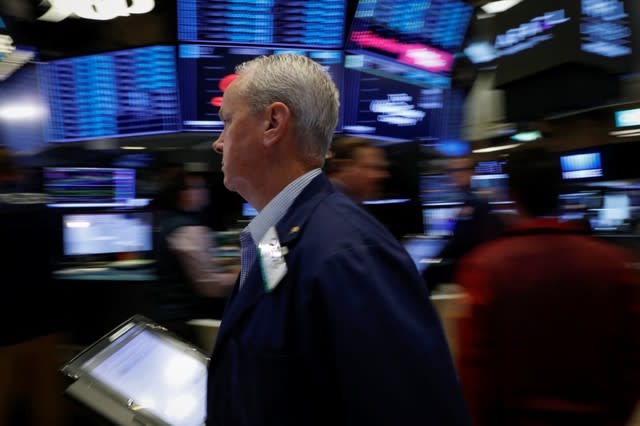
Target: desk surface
104	274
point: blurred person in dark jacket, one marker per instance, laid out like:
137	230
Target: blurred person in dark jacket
475	224
550	335
30	387
190	285
357	168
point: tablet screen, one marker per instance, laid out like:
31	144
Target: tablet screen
155	374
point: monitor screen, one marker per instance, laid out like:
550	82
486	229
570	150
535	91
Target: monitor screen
90	186
581	166
423	250
492	187
412	30
489	167
312	23
206	71
616	210
440	221
535	36
627	117
248	210
104	233
375	105
122	93
148	371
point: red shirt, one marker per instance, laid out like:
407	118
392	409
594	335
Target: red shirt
552	331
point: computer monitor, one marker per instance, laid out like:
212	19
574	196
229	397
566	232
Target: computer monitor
90	186
141	374
106	233
581	166
423	250
616	210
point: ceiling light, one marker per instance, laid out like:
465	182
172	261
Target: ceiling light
494	148
133	148
21	112
527	136
499	6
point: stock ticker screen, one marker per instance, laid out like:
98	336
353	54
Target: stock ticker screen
391	108
123	93
412	41
310	23
536	36
206	71
441	24
89	186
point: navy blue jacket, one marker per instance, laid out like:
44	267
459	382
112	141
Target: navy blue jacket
348	337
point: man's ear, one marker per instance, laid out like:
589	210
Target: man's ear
278	117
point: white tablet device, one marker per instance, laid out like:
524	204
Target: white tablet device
141	374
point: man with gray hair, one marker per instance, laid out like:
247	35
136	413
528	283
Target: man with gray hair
329	322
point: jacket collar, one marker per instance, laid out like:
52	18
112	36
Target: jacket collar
289	230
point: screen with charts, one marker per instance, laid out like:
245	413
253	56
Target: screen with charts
381	106
206	71
416	34
122	93
441	24
90	186
104	233
309	23
151	373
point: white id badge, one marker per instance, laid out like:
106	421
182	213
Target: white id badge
274	266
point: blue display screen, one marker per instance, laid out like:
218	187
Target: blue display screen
441	24
580	166
205	71
605	28
375	105
310	23
627	117
90	186
123	93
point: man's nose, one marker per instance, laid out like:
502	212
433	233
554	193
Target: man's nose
217	144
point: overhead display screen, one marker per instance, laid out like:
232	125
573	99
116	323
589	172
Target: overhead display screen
205	72
123	93
383	107
391	109
441	24
310	23
535	36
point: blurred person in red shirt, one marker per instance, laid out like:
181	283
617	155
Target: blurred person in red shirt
550	331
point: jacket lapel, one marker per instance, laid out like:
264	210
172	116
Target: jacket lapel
288	229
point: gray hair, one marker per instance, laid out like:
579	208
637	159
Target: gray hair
302	85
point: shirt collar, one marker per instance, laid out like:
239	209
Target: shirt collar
278	206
